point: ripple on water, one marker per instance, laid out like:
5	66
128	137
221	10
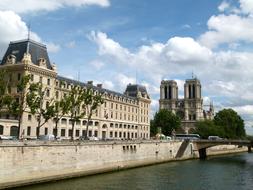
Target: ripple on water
233	172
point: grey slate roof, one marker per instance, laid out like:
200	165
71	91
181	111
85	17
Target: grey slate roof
102	90
18	48
133	89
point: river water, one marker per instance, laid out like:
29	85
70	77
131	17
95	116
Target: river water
232	172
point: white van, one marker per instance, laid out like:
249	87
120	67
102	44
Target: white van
214	138
46	137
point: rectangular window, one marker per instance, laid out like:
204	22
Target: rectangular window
19	76
32	77
70	132
96	133
83	132
90	133
29	117
46	130
28	131
57	94
62	132
48	81
111	134
77	133
41	79
48	93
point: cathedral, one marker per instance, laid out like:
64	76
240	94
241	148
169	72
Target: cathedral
190	108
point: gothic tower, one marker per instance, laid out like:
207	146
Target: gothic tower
168	95
192	100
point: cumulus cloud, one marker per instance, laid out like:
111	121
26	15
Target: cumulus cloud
52	47
227	29
223	6
47	5
97	64
12	28
221	72
246	6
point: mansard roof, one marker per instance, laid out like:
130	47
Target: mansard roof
102	90
134	89
18	48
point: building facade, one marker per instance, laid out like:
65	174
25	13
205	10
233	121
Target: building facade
190	108
122	116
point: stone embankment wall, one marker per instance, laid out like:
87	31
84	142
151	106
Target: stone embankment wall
33	162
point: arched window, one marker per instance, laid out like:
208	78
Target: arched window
84	122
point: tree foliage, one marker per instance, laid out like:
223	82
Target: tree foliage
61	108
207	128
227	124
17	104
39	106
91	102
231	122
76	110
153	128
167	121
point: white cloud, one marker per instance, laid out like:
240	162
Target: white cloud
47	5
244	110
52	48
227	29
13	28
122	81
223	6
108	85
186	26
97	64
71	44
246	6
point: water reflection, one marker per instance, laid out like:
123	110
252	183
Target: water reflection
234	172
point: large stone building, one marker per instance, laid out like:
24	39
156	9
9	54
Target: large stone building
190	108
124	116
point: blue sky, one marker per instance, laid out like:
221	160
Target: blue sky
116	42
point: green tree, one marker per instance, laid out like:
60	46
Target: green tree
91	102
3	87
207	128
232	123
153	128
61	107
39	106
17	104
76	109
167	121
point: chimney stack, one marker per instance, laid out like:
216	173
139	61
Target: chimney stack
99	86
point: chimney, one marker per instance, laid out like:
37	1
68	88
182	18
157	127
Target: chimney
90	82
99	86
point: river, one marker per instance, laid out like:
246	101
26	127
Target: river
232	172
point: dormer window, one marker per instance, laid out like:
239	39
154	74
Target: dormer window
11	59
42	62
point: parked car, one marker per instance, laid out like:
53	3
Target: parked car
3	137
93	138
214	138
46	137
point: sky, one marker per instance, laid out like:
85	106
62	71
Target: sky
117	42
